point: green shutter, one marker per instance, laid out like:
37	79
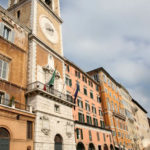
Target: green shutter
81	134
70	82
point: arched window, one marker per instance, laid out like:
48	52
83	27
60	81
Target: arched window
105	147
4	139
58	142
80	146
91	146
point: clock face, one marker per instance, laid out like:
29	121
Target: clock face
48	29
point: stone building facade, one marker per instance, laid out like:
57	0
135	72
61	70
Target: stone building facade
16	117
142	139
54	125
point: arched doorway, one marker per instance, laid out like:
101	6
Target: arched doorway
4	139
111	147
105	147
91	147
80	146
58	142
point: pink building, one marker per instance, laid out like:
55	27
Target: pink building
90	132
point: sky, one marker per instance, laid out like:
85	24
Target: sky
113	34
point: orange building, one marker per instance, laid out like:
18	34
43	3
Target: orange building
16	118
114	115
90	131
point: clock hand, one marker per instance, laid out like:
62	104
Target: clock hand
49	29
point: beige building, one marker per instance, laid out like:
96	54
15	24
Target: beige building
16	117
142	126
54	125
127	103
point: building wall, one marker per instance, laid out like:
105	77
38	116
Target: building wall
13	109
143	130
16	128
84	126
50	122
113	108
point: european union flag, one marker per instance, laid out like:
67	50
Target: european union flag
76	93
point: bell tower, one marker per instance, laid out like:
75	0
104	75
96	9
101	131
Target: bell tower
43	18
45	39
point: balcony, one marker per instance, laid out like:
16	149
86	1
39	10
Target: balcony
15	105
119	115
49	92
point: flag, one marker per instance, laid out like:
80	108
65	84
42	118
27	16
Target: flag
76	93
51	82
44	87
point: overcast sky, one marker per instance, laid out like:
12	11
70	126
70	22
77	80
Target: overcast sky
114	34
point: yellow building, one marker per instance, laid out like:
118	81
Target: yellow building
113	108
16	118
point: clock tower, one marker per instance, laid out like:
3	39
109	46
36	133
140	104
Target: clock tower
46	90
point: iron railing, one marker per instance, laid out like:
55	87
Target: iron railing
14	104
50	90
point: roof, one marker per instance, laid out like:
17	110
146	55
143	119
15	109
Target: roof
8	14
103	70
71	63
134	101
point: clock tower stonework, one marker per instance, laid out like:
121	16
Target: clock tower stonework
54	125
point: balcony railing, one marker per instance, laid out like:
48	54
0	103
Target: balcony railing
14	104
119	115
49	91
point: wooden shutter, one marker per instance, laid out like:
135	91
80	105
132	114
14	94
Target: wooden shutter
1	28
7	99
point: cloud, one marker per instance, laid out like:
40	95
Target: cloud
113	34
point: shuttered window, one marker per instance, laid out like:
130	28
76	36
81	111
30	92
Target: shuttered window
29	130
3	69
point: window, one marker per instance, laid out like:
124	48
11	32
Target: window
91	95
81	117
100	112
87	106
67	68
90	135
110	138
1	97
98	138
102	124
6	32
68	81
78	133
3	69
49	3
85	91
89	120
29	130
104	78
80	103
84	78
18	14
95	122
57	108
94	109
104	137
98	99
108	104
77	74
96	87
81	134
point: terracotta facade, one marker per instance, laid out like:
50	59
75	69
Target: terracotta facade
90	129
